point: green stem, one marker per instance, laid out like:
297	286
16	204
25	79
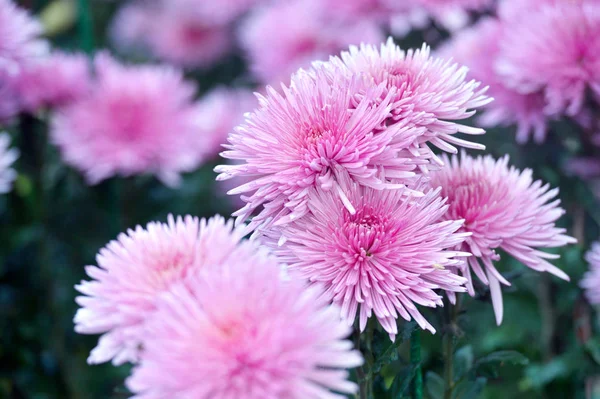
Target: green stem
363	382
86	26
451	312
415	358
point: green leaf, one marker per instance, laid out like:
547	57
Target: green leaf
512	357
435	385
402	381
463	361
469	389
390	354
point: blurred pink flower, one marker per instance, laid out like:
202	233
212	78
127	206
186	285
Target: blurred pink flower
7	157
220	111
281	37
430	93
186	37
555	49
388	255
19	44
477	48
309	136
502	208
452	14
137	119
53	81
241	331
140	265
591	279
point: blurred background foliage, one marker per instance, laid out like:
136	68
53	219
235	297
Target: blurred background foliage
53	224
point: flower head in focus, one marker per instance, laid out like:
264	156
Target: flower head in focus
279	38
477	48
591	280
385	258
241	331
503	208
427	92
136	119
53	81
308	137
7	157
140	265
555	49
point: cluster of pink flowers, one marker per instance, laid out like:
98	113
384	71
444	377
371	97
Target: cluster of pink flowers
341	179
540	58
279	36
203	313
31	76
134	119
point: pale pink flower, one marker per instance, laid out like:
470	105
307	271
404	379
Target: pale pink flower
137	119
477	48
309	136
7	157
555	49
385	257
19	44
452	14
591	280
219	112
503	208
140	265
242	331
54	81
185	37
430	93
281	37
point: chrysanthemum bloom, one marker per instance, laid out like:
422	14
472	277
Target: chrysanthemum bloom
19	44
591	280
309	136
219	112
282	37
477	47
241	331
186	37
7	157
54	81
431	93
387	256
557	50
502	208
136	268
136	119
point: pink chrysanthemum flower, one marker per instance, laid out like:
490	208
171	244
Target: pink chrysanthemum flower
388	255
430	93
186	37
54	81
503	208
555	49
136	268
477	48
241	331
282	37
19	44
136	119
309	136
591	280
219	112
7	157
